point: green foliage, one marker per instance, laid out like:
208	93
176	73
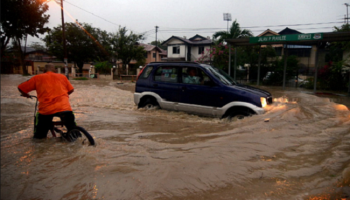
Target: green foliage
37	46
218	54
20	18
159	44
84	43
81	79
330	77
125	48
103	67
234	32
140	62
344	45
276	77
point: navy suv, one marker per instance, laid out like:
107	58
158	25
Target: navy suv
197	88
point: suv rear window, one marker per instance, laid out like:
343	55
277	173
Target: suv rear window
146	72
166	74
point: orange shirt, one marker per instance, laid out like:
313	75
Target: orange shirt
52	90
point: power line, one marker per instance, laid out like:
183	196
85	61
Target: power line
210	30
259	30
267	26
92	13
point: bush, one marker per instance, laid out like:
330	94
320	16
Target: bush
81	78
103	67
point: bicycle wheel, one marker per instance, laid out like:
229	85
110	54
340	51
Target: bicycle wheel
79	133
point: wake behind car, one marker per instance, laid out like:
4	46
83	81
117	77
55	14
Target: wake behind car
197	88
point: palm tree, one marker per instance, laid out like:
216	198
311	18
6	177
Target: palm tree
234	32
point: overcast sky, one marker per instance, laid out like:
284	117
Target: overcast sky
204	17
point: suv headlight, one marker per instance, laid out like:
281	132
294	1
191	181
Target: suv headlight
263	102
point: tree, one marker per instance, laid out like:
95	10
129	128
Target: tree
20	18
103	67
84	43
158	44
335	75
343	28
234	32
37	46
125	48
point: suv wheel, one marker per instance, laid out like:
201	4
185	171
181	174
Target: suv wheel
149	104
238	113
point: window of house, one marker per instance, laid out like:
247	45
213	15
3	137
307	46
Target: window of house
176	50
154	55
200	50
145	54
166	74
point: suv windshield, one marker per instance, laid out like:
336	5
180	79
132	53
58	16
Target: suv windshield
221	75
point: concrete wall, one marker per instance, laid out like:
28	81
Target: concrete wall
39	67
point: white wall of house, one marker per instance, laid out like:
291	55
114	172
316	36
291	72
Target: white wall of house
182	54
194	52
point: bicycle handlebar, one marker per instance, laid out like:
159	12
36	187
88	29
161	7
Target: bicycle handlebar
30	96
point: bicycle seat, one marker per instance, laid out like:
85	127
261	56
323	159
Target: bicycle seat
59	114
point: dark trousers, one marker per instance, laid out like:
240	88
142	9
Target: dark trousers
43	123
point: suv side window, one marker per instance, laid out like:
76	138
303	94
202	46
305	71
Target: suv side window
146	72
192	75
166	74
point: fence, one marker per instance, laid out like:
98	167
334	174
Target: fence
89	76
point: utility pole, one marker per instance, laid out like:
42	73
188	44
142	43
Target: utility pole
64	43
227	17
347	13
347	22
156	43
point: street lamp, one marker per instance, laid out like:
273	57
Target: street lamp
227	17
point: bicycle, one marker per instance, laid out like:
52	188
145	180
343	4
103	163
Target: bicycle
58	127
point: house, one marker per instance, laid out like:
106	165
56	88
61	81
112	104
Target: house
163	55
152	54
306	54
182	49
32	54
33	60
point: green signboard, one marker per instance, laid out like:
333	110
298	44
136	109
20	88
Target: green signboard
286	38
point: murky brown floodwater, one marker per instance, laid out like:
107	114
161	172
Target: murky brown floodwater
301	152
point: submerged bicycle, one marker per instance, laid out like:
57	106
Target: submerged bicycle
77	133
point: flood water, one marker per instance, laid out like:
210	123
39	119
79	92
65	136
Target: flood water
298	149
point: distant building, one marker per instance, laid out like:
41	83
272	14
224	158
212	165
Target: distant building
182	49
34	59
306	54
153	53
